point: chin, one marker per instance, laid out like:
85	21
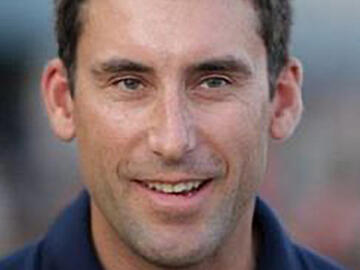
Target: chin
176	258
174	250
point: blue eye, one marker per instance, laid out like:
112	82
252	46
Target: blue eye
129	84
215	82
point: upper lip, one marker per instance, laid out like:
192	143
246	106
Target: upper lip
173	178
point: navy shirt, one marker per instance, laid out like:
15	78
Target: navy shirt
68	245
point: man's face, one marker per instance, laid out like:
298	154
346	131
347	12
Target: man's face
172	113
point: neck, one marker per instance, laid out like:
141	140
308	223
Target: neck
238	250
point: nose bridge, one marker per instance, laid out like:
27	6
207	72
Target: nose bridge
172	134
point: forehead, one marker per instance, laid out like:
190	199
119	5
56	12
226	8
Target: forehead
171	27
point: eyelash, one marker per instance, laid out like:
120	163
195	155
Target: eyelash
116	81
228	81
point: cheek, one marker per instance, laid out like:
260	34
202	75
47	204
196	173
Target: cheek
240	135
104	137
236	130
97	159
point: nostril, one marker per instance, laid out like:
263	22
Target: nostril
171	145
171	134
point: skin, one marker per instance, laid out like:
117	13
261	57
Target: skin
186	98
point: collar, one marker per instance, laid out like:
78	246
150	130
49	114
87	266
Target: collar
69	245
276	250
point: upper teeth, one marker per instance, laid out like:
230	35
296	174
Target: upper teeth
174	188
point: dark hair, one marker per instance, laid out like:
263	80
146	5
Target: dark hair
275	18
68	28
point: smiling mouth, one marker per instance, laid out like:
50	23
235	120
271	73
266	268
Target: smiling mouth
181	188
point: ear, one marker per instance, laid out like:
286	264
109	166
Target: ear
287	105
58	101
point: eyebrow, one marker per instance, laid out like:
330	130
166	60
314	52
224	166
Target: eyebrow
224	64
220	64
117	65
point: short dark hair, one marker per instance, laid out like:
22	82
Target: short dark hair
275	19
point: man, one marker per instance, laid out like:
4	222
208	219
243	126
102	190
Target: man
172	104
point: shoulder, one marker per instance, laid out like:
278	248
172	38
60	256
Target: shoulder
310	260
66	245
26	259
278	250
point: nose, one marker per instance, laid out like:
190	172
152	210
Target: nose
172	133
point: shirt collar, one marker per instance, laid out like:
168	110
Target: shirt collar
69	243
276	248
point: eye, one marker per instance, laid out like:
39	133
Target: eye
129	84
215	82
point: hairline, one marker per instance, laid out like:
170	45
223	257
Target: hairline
82	18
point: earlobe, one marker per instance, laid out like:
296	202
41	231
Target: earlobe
287	105
58	101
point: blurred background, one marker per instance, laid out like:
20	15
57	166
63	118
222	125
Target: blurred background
313	179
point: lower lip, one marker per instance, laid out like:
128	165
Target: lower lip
173	202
